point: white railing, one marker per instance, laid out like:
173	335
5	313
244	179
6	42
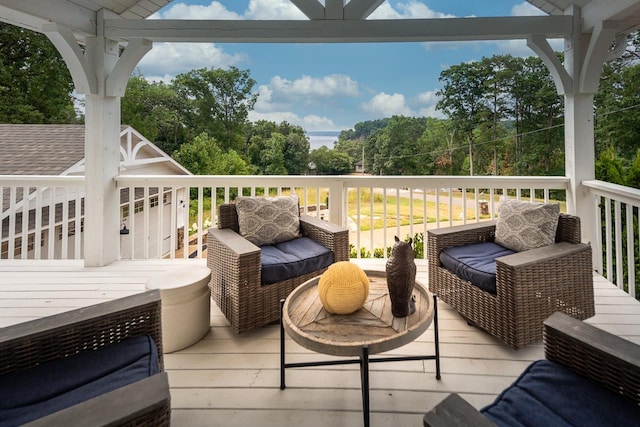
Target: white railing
374	208
616	247
53	209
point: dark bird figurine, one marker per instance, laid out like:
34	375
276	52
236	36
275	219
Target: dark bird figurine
401	277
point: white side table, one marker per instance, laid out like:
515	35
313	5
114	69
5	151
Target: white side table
186	306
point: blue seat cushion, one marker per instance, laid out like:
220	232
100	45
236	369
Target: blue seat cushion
475	263
547	394
293	258
32	393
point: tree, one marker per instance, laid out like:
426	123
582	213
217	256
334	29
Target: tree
156	111
203	156
609	168
331	162
633	175
220	102
35	84
295	146
296	153
438	140
462	99
397	147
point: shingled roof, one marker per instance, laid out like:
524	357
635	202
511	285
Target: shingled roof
40	149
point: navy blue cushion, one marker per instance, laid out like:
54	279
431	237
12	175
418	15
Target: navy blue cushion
293	258
52	386
547	394
475	263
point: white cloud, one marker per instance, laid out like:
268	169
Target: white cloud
431	112
428	100
429	97
334	85
526	9
410	10
273	9
175	58
256	9
310	122
384	105
214	10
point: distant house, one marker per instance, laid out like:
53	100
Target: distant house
58	150
360	166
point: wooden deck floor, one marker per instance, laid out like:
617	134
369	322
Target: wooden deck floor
230	380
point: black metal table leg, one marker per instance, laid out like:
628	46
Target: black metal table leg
436	335
364	386
282	383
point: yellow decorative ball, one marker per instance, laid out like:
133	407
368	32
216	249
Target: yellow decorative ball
343	288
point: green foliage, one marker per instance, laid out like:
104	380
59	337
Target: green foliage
395	149
418	245
609	167
220	101
277	149
156	111
35	84
633	175
203	156
331	162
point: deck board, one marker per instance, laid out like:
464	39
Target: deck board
233	380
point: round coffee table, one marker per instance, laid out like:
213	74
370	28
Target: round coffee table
370	330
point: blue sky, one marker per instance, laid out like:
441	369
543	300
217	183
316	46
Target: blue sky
334	86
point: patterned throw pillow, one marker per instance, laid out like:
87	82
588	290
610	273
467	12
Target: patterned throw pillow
268	220
526	225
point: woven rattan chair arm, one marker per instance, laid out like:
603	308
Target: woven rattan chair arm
231	241
541	255
27	344
332	236
454	411
604	358
145	402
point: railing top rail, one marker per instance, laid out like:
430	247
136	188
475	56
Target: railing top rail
40	181
554	182
614	191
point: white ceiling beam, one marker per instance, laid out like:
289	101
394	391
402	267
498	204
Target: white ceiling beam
334	9
361	9
312	9
36	14
339	31
605	10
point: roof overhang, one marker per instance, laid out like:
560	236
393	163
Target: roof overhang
340	30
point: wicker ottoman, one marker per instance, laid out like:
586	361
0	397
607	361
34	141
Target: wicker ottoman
185	306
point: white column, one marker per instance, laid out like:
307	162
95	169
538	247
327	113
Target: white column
580	159
102	165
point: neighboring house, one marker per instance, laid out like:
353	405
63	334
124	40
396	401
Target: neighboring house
58	150
360	166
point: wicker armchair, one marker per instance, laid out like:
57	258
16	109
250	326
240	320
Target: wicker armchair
145	402
607	361
235	265
530	285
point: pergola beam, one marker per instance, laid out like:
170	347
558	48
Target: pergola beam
36	14
339	31
597	11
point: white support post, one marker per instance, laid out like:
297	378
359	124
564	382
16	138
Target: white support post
579	135
580	159
101	73
102	160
